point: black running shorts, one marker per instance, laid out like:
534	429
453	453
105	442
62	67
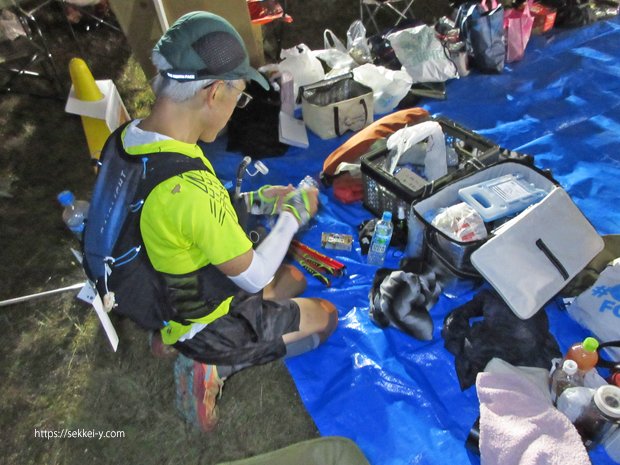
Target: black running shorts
249	334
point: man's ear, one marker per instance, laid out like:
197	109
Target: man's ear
211	92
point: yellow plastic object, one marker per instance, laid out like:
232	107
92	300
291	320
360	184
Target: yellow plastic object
86	89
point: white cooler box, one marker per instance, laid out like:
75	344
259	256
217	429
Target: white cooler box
527	259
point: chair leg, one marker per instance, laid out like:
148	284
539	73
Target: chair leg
395	10
39	54
371	15
17	72
280	31
57	82
407	9
401	14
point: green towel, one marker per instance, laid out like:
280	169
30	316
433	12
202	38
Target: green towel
328	450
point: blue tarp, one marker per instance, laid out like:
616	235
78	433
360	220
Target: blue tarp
397	397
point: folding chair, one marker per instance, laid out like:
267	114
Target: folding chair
399	10
88	17
85	9
28	55
264	12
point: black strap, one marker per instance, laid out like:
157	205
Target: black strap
337	121
363	102
165	165
159	165
607	363
337	117
113	139
552	258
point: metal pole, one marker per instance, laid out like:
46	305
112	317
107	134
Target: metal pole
25	298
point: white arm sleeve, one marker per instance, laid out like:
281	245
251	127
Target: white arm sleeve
268	256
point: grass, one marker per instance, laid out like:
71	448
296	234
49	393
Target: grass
57	369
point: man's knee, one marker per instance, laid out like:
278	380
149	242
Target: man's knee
330	308
319	319
329	311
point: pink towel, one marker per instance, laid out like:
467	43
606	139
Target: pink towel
520	426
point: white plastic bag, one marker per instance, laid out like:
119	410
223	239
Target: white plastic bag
335	54
422	54
10	27
330	40
403	145
302	64
357	44
389	87
461	222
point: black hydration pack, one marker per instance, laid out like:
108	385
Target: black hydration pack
114	255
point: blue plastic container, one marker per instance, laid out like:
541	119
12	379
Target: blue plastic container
501	197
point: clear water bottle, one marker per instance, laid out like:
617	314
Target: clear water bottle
565	377
74	213
380	240
307	182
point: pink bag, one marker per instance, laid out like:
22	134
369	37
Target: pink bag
518	27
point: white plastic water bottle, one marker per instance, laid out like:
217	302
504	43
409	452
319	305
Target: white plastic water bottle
74	213
380	240
308	182
564	377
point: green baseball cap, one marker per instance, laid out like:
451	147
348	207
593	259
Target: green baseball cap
201	45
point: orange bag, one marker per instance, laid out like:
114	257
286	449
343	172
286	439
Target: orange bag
361	141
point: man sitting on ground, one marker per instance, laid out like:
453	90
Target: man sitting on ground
241	298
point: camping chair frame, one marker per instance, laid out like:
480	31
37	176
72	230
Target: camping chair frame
22	63
369	9
64	4
99	21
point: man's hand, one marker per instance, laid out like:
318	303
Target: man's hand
302	203
277	192
267	200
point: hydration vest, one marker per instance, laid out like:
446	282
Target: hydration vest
115	258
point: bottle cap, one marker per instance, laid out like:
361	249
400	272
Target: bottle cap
66	198
570	367
307	182
607	399
590	344
387	216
